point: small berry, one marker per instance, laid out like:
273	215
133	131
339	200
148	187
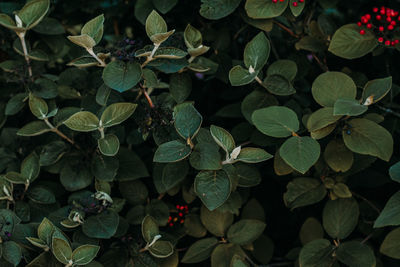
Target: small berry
387	42
182	221
396	41
381	28
390	27
379	17
388	19
177	207
375	9
382	12
363	19
393	23
301	1
392	43
180	214
295	4
171	224
380	39
368	16
359	23
362	32
369	25
274	1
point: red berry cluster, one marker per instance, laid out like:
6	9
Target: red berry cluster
295	3
182	210
383	23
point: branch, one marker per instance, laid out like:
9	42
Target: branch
58	132
286	29
24	48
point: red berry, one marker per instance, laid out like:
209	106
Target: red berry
177	206
398	18
274	1
393	23
182	221
381	28
369	25
375	9
380	39
180	214
390	27
295	4
392	43
281	0
367	16
171	224
387	42
301	1
382	12
388	19
379	17
362	32
364	20
359	23
396	41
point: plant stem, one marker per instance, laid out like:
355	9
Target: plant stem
259	81
91	52
286	29
368	202
150	58
24	48
144	92
58	132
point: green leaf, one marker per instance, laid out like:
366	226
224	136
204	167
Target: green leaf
169	175
180	86
205	156
159	211
338	157
30	167
256	100
94	28
103	94
192	37
33	128
109	145
164	6
354	254
296	10
245	231
33	12
247	175
200	250
223	254
213	188
253	155
341	190
155	24
217	9
265	9
45	230
276	121
263	249
131	167
278	85
321	118
340	217
332	85
122	76
83	40
41	195
391	244
149	228
216	222
347	42
283	67
394	172
187	120
84	254
311	230
390	215
12	252
223	138
303	192
38	106
368	138
377	88
317	253
83	121
104	168
117	113
300	153
15	178
9	23
52	152
350	107
103	225
61	250
256	52
172	151
239	76
15	104
161	249
238	261
49	26
75	175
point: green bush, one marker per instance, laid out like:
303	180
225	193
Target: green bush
207	133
